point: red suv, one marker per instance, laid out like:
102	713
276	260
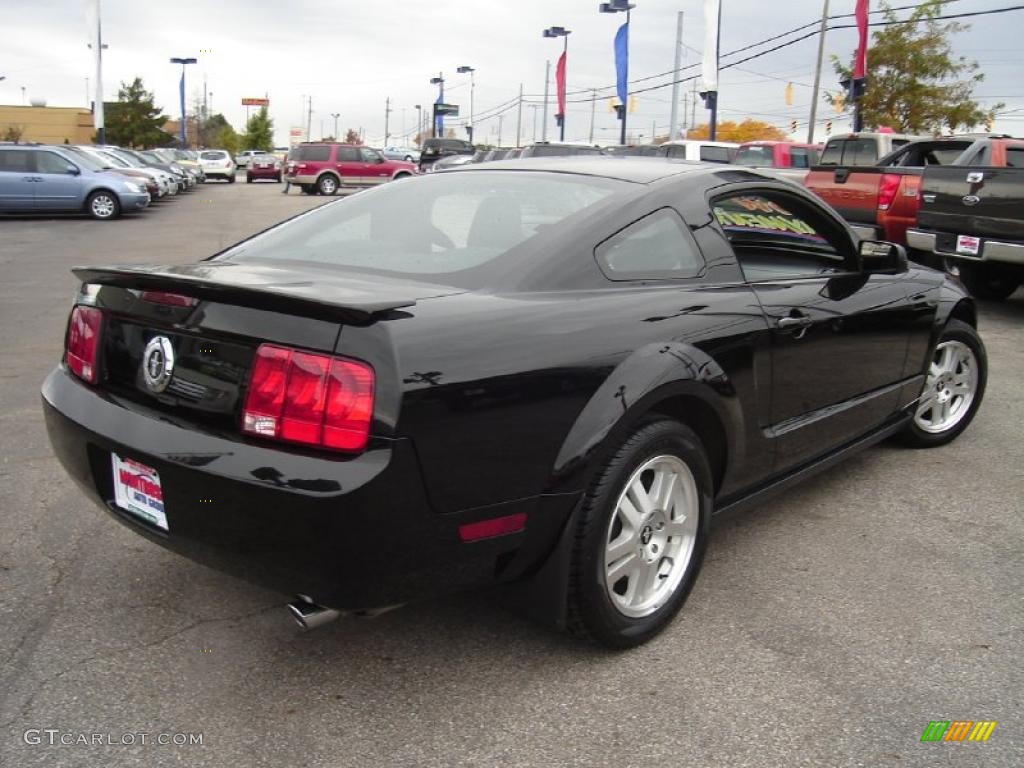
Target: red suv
325	167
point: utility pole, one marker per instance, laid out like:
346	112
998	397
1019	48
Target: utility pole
534	108
500	118
544	125
309	119
673	123
519	118
97	110
817	73
593	108
387	119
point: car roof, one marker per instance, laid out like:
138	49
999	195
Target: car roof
701	142
639	170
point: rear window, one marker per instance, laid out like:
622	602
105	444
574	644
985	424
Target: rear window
444	227
320	153
858	152
755	157
1015	157
213	155
714	154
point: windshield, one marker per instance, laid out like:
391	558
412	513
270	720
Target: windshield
756	157
153	157
129	159
87	161
431	226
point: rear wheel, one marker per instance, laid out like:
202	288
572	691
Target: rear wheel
641	537
103	205
327	185
990	282
953	388
248	178
231	178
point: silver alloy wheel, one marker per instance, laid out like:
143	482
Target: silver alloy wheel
949	388
103	206
328	185
651	536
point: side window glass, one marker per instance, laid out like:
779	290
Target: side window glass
368	155
48	162
777	237
348	155
655	247
798	157
14	161
1015	157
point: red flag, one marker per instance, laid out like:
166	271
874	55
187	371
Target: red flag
860	61
560	83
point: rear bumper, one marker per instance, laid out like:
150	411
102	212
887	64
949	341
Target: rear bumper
991	250
351	533
263	173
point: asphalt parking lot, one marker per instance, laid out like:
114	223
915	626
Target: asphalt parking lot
827	628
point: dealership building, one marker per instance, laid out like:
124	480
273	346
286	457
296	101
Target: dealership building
46	125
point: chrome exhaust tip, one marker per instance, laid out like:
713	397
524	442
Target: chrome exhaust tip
308	615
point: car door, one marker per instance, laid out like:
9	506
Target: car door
17	179
839	335
348	162
375	170
60	186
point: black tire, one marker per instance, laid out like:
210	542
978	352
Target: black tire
591	612
103	205
914	435
231	179
989	282
308	189
327	185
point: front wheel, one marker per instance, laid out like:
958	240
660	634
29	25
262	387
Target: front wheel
642	533
248	179
953	388
103	205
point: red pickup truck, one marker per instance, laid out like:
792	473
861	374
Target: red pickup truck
880	201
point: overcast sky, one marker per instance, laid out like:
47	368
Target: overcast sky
350	56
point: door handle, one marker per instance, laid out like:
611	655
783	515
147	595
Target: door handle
798	321
841	175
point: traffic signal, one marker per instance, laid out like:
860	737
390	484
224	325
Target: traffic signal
788	94
792	126
828	128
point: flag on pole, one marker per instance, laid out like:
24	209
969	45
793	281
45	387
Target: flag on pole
622	61
709	65
560	86
440	118
860	62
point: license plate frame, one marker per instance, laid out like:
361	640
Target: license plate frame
968	245
138	492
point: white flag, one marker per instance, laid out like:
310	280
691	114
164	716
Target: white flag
712	17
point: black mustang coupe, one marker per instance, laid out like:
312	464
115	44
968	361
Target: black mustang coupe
551	374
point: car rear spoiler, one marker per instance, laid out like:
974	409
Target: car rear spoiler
318	294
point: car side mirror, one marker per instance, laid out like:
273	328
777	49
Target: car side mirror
883	258
72	170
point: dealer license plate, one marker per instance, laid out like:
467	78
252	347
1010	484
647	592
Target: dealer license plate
137	490
968	245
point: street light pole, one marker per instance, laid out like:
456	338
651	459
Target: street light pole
181	88
336	115
560	82
472	88
419	122
622	75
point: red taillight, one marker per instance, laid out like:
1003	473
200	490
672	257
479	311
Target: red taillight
308	398
887	189
496	526
171	299
82	348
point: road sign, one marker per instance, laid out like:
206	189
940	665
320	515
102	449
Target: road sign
446	109
255	102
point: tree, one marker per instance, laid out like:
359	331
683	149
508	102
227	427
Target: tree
914	82
133	120
13	133
259	132
352	137
227	139
748	130
211	130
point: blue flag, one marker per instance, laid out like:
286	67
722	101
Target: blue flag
440	118
622	60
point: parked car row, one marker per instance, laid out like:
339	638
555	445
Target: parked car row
102	181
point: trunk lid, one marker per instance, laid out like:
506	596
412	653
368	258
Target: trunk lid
181	340
984	202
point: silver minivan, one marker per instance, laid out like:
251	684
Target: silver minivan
43	178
